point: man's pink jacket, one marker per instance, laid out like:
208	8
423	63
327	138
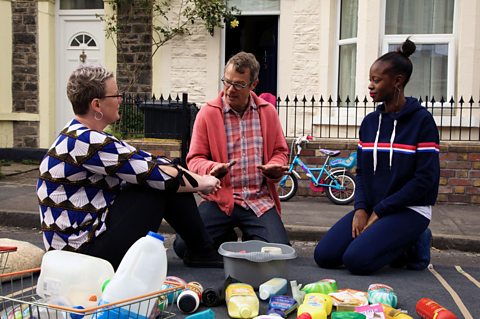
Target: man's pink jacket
209	146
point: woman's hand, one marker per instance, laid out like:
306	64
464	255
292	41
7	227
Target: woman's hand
359	222
208	184
372	219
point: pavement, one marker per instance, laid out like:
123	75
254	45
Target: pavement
454	226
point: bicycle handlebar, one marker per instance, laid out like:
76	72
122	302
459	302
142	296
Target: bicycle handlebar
303	139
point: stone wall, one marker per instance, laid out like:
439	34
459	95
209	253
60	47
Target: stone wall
306	47
25	134
25	70
459	163
134	48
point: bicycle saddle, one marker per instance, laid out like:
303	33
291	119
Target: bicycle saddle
329	152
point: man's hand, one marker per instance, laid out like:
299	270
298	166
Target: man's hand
273	171
219	170
359	222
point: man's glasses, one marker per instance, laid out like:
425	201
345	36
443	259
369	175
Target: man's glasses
236	85
118	96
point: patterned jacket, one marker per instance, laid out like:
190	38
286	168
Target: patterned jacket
80	176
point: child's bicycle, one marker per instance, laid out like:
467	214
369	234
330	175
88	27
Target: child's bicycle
333	177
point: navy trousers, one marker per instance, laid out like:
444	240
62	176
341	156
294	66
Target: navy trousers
380	245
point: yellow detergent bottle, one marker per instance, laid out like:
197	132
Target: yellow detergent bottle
316	305
392	313
242	302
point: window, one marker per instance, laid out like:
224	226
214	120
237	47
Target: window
83	40
255	5
429	23
347	48
81	4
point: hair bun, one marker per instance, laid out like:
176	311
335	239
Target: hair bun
407	48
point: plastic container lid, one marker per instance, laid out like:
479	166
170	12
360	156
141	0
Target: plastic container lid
252	250
156	235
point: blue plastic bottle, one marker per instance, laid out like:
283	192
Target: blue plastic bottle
206	314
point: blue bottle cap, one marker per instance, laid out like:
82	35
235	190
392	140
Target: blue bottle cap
156	235
77	315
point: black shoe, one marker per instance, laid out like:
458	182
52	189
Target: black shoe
419	254
203	259
400	262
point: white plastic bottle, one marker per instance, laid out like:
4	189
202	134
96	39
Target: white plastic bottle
75	276
272	287
142	270
189	299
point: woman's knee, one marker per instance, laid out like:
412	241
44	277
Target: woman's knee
357	262
326	258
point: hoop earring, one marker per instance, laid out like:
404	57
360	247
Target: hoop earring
96	116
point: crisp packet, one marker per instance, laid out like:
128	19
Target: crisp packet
348	299
374	311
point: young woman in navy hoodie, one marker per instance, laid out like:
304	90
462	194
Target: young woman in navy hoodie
398	175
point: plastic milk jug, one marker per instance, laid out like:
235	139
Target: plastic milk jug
272	287
77	277
242	302
142	270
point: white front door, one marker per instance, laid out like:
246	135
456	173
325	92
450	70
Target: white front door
81	39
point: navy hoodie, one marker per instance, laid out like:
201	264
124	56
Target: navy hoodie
398	160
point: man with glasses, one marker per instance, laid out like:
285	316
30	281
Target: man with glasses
238	138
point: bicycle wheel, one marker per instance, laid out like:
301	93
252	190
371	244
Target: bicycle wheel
287	187
341	196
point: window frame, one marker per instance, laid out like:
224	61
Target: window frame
435	38
339	43
447	39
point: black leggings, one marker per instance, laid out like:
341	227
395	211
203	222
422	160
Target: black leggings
136	211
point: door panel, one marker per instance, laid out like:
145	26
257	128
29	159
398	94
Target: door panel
257	35
80	40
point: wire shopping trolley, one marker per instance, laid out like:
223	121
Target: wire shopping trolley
18	300
4	253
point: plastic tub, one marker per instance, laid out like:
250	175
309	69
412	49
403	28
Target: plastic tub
254	262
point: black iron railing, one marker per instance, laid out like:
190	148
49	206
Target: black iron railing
457	120
328	118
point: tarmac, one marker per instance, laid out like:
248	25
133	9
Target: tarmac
454	226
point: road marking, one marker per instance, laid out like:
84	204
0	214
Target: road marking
13	184
19	293
469	277
466	314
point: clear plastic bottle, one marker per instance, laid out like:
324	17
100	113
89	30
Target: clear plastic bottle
142	270
272	287
75	276
45	308
242	302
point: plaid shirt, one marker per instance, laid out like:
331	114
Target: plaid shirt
245	145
